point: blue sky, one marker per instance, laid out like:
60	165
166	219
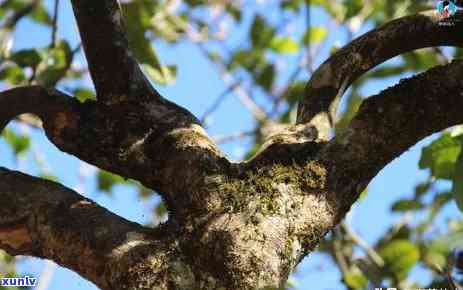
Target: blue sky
368	217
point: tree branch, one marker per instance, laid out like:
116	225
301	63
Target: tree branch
114	70
44	219
335	75
152	142
46	103
389	123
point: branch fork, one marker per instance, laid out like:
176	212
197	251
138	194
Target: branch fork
231	225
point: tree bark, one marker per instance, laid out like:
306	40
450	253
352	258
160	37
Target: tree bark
231	225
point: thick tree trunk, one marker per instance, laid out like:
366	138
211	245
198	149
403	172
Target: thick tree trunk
231	225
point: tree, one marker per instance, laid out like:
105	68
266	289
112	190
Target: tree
232	225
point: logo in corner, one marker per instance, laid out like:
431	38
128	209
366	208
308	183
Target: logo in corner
446	9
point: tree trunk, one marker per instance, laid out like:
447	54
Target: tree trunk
231	225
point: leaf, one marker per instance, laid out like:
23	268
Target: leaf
314	35
457	187
83	94
400	256
295	92
363	194
106	180
165	76
26	58
436	252
49	177
19	143
13	74
440	156
55	63
406	205
261	32
440	199
40	15
356	280
284	45
138	20
251	60
266	78
422	188
291	4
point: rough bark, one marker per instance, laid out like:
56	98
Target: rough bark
231	225
334	76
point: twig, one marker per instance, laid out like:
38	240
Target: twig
55	23
218	101
240	92
229	80
371	253
229	138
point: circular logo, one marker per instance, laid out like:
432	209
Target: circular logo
446	8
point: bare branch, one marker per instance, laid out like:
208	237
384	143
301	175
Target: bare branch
45	103
114	70
54	32
44	219
392	121
334	76
152	142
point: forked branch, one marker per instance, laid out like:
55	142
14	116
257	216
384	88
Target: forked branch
389	123
399	36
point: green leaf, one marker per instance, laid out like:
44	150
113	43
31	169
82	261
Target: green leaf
49	177
406	205
165	76
106	180
55	63
294	5
19	143
422	188
261	32
26	58
13	74
40	15
252	60
436	252
314	35
266	78
356	280
353	7
440	156
284	45
400	256
138	21
457	188
83	94
295	92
